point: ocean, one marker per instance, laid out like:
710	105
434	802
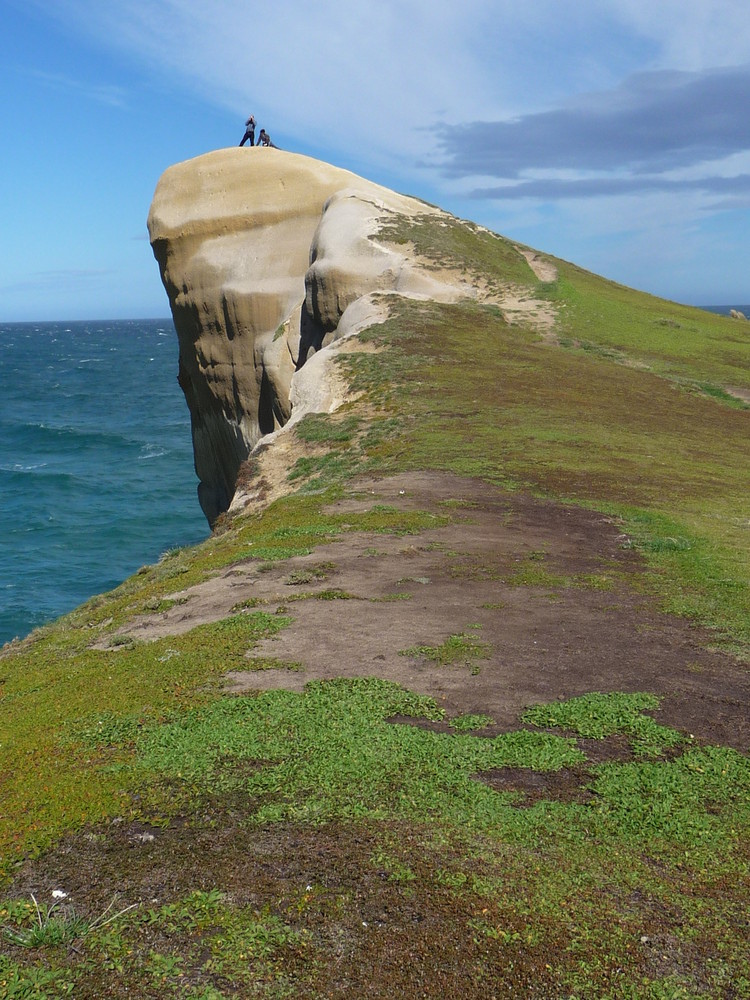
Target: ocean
725	310
96	462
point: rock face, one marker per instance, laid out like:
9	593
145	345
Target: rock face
261	253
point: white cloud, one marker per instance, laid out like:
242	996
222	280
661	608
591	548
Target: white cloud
690	34
110	96
350	72
670	132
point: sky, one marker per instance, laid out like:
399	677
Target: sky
611	133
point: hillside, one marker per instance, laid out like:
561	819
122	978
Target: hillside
454	701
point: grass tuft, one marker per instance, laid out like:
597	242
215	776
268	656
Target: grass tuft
596	716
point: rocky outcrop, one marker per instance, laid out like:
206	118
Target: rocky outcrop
267	257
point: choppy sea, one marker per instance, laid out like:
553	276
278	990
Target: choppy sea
96	462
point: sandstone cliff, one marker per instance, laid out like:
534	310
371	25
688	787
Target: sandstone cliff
267	257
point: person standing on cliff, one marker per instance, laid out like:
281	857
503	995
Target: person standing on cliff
249	132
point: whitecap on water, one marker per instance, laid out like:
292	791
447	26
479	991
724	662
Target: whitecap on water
151	451
20	467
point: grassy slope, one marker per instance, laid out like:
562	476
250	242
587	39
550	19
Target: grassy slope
628	412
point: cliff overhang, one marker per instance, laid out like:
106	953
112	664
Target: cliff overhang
268	258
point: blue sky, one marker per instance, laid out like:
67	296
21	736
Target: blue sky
612	133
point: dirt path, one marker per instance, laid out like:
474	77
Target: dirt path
519	306
545	270
549	589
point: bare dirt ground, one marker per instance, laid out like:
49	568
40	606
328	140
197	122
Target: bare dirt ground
551	637
579	623
545	270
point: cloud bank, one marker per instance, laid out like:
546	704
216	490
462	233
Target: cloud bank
639	135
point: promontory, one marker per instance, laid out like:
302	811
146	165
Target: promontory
453	699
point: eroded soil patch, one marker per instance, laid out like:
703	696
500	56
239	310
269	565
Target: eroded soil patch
372	910
550	590
370	928
566	785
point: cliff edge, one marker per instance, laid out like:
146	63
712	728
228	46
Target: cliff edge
460	693
267	257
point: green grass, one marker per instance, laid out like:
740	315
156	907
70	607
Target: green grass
225	942
335	757
317	428
462	245
694	576
675	341
272	663
552	879
595	716
677	802
569	881
330	753
54	925
55	681
630	413
64	689
462	649
621	439
468	723
310	574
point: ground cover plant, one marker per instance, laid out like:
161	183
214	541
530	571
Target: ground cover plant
354	836
533	889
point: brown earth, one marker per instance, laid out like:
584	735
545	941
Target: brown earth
372	935
584	625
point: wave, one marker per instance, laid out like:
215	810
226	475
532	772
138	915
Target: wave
149	451
19	467
42	469
28	434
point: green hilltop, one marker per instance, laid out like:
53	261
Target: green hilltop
359	835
